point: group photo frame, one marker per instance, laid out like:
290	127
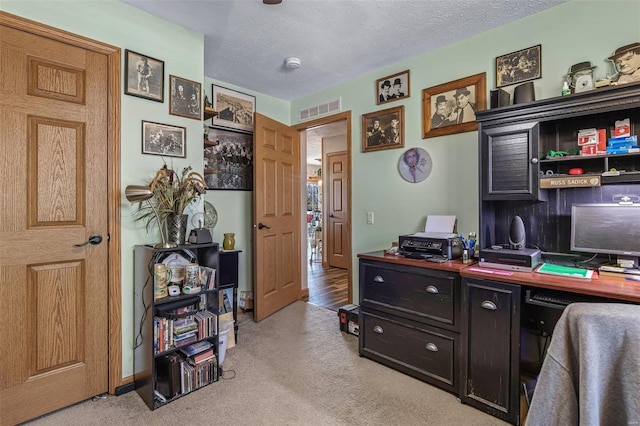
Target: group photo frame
235	109
228	160
393	87
185	96
144	76
451	107
520	66
164	139
383	129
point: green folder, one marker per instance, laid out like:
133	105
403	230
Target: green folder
565	271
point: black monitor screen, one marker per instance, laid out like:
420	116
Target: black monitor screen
606	228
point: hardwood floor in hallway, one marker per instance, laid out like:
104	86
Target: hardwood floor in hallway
327	286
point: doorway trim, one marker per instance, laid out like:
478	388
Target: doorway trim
113	55
302	127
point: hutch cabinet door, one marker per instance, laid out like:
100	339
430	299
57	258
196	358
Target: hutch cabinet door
509	168
491	348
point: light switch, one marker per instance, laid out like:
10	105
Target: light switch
369	218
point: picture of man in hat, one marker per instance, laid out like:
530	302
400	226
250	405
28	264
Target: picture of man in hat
440	116
465	111
396	90
627	62
384	91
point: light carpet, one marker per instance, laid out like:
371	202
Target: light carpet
293	368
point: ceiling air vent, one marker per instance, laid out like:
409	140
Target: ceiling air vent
319	110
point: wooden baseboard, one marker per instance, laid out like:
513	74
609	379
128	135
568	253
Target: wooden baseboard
304	294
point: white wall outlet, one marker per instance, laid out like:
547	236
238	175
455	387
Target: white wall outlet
369	218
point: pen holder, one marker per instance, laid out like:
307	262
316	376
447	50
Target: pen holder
467	256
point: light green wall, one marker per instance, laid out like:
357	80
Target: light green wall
569	33
182	51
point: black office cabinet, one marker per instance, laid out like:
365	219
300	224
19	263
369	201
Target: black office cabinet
509	162
409	320
491	348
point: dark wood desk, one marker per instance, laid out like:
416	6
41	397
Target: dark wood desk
601	286
482	317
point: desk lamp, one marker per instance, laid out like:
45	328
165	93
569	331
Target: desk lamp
139	193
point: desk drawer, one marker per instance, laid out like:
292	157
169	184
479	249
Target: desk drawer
427	353
415	293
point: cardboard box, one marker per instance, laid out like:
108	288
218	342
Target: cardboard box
349	322
246	301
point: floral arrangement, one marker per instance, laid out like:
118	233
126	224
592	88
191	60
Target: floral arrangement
172	193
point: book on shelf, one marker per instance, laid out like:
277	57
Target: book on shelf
208	277
196	348
202	356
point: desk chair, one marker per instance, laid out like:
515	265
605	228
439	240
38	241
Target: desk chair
591	374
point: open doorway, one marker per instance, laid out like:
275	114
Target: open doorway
327	222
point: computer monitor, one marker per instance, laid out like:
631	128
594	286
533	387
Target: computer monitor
608	229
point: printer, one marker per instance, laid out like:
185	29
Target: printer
427	244
438	240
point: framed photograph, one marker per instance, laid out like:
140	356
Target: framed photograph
235	109
144	76
516	67
383	129
185	97
393	87
228	160
451	107
164	139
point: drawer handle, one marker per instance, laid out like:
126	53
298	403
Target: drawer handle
378	279
378	329
487	304
432	347
432	289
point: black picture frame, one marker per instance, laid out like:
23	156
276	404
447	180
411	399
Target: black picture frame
185	97
235	109
520	66
164	139
140	69
228	160
393	87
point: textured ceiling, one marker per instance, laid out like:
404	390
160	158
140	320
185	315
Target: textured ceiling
246	42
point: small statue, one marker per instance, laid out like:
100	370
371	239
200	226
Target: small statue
207	104
627	62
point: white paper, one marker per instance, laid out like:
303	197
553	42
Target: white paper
440	223
438	226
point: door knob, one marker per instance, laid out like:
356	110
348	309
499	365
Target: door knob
93	240
262	225
331	215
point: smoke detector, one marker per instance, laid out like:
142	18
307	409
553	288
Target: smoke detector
292	63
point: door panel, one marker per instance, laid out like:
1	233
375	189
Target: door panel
277	208
338	215
53	165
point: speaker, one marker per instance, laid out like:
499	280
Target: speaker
499	98
524	93
517	237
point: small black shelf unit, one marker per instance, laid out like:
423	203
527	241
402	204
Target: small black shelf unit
157	379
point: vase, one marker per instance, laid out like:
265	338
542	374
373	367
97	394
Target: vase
229	241
177	228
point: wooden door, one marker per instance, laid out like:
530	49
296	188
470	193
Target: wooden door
336	187
53	164
276	215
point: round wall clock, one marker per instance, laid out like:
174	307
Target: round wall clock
415	165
